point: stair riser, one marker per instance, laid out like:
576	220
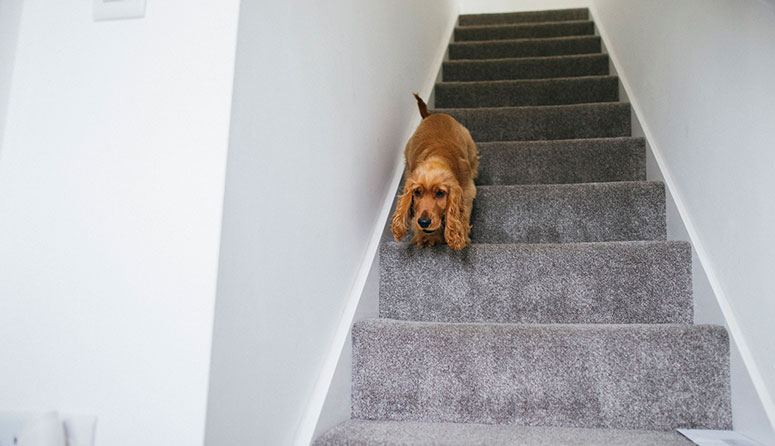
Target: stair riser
573	213
528	68
524	48
544	123
612	283
523	31
414	433
524	17
557	162
519	93
638	377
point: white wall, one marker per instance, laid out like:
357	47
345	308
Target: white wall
111	186
701	76
337	405
489	6
322	110
10	14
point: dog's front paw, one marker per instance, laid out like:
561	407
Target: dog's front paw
458	243
427	240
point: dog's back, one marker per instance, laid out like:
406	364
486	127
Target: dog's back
439	132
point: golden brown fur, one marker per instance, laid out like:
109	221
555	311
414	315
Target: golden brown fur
441	165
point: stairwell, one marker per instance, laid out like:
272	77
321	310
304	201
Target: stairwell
569	319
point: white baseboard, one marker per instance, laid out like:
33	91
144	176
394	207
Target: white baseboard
306	428
733	326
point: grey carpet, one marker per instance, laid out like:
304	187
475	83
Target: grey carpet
415	433
616	282
524	30
608	119
569	213
507	93
565	161
568	321
522	17
525	68
654	377
550	46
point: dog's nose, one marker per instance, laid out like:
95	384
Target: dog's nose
424	222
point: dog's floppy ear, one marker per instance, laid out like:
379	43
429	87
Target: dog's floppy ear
403	212
456	230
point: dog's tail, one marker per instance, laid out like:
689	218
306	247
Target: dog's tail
422	106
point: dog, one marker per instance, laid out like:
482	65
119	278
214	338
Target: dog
441	165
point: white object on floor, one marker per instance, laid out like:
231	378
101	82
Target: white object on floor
45	430
80	429
11	424
717	438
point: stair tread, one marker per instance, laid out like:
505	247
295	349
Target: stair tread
535	40
525	16
606	282
416	433
511	82
649	376
524	30
618	105
523	24
529	47
562	161
519	92
559	57
541	67
544	122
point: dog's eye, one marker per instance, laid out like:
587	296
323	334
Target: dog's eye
440	194
417	193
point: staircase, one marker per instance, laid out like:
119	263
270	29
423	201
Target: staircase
568	321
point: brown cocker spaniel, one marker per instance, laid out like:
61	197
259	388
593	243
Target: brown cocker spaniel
441	165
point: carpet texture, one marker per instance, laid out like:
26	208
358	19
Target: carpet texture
548	46
569	213
608	119
526	68
618	282
654	377
574	90
568	320
590	160
523	17
523	30
386	433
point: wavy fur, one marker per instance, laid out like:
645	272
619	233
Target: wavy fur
441	165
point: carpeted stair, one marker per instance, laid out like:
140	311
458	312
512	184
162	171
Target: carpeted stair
568	321
613	282
572	90
564	161
567	213
524	30
526	68
543	46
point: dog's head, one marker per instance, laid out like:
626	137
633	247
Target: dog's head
430	199
430	203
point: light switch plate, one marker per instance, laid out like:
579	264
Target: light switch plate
118	9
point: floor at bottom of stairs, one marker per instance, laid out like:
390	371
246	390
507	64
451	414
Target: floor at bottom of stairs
395	433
